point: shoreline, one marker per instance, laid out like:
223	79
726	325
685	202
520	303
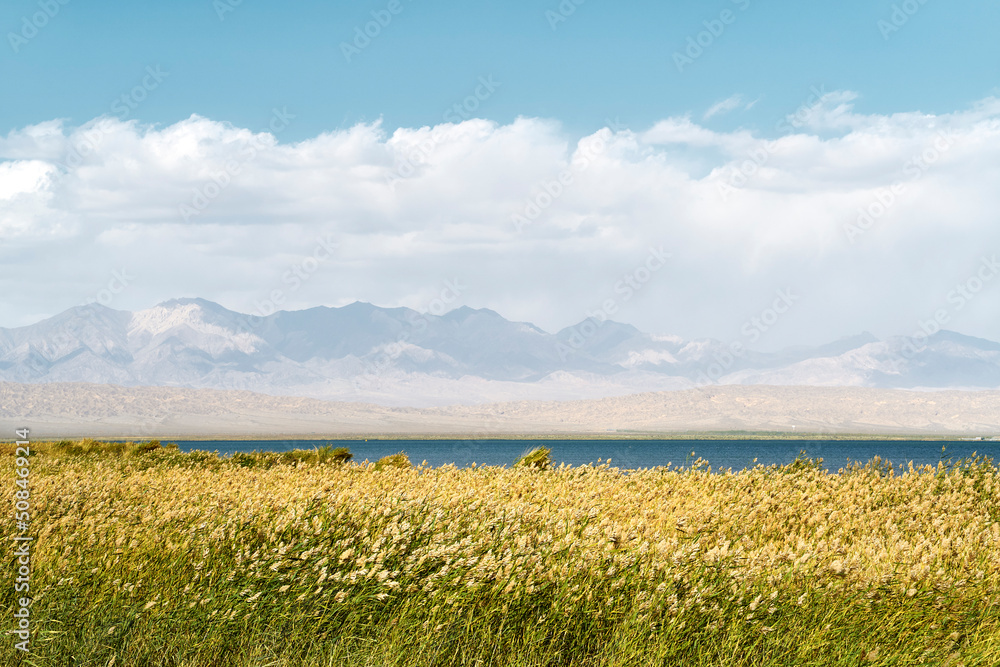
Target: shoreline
535	437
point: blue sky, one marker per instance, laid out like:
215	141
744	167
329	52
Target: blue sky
606	60
846	153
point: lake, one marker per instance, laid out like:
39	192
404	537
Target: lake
735	454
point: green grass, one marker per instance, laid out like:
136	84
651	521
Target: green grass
539	458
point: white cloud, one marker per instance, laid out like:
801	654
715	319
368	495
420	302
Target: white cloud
415	207
725	106
728	105
22	176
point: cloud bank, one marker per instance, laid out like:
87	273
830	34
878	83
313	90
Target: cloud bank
870	221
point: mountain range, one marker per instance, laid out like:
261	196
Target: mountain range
398	356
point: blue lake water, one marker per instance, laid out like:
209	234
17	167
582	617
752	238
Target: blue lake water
735	454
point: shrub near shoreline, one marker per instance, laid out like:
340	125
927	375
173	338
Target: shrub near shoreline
146	555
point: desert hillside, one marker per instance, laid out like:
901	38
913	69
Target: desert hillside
78	409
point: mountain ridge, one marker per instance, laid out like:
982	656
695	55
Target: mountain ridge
398	356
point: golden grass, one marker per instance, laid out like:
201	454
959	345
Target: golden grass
152	556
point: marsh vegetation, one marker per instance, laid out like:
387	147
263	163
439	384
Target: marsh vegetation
146	555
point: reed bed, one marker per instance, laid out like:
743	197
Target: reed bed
149	556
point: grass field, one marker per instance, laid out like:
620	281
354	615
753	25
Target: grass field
148	556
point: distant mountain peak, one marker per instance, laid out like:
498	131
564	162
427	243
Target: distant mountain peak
192	307
361	351
188	301
466	313
972	341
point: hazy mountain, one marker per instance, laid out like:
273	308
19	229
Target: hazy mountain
400	356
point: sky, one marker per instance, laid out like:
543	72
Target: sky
799	171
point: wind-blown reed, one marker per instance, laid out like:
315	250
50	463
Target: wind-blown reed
160	557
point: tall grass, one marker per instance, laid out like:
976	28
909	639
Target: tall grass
149	556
